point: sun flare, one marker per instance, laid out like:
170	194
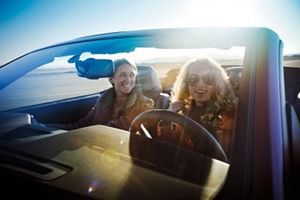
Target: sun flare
218	13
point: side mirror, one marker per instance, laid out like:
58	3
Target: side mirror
95	68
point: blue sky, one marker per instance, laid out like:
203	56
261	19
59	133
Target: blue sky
26	25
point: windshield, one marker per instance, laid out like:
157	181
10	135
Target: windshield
38	86
61	85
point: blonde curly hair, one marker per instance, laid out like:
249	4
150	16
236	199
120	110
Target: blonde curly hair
223	99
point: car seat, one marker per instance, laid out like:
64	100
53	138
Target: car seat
297	106
293	150
151	86
235	75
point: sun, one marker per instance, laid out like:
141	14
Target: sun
216	13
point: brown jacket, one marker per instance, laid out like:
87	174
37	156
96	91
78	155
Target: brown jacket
101	112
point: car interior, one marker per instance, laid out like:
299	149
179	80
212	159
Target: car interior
19	129
129	162
292	89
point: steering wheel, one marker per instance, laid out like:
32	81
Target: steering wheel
204	142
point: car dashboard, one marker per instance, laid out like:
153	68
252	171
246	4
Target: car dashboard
101	162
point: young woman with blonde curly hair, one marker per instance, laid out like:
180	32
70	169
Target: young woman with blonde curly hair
202	91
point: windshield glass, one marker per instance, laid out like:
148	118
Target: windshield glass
58	79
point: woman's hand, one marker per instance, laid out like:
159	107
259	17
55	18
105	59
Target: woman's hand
177	106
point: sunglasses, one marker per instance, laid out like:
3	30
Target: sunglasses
208	79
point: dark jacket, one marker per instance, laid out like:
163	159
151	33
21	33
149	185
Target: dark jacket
101	113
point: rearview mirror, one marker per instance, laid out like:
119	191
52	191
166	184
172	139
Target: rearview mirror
94	68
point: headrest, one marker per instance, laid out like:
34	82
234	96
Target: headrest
235	75
149	81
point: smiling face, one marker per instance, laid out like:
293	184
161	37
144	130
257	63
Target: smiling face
201	84
124	79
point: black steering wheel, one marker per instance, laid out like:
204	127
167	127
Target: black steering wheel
205	143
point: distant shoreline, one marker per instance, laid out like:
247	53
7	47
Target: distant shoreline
292	62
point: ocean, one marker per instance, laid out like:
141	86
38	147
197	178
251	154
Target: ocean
51	84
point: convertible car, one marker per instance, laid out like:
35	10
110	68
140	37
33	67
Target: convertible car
61	83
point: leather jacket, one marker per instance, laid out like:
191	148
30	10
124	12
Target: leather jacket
101	113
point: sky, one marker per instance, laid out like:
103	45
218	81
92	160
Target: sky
26	25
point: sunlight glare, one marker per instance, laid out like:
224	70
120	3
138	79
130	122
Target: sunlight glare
110	159
218	13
